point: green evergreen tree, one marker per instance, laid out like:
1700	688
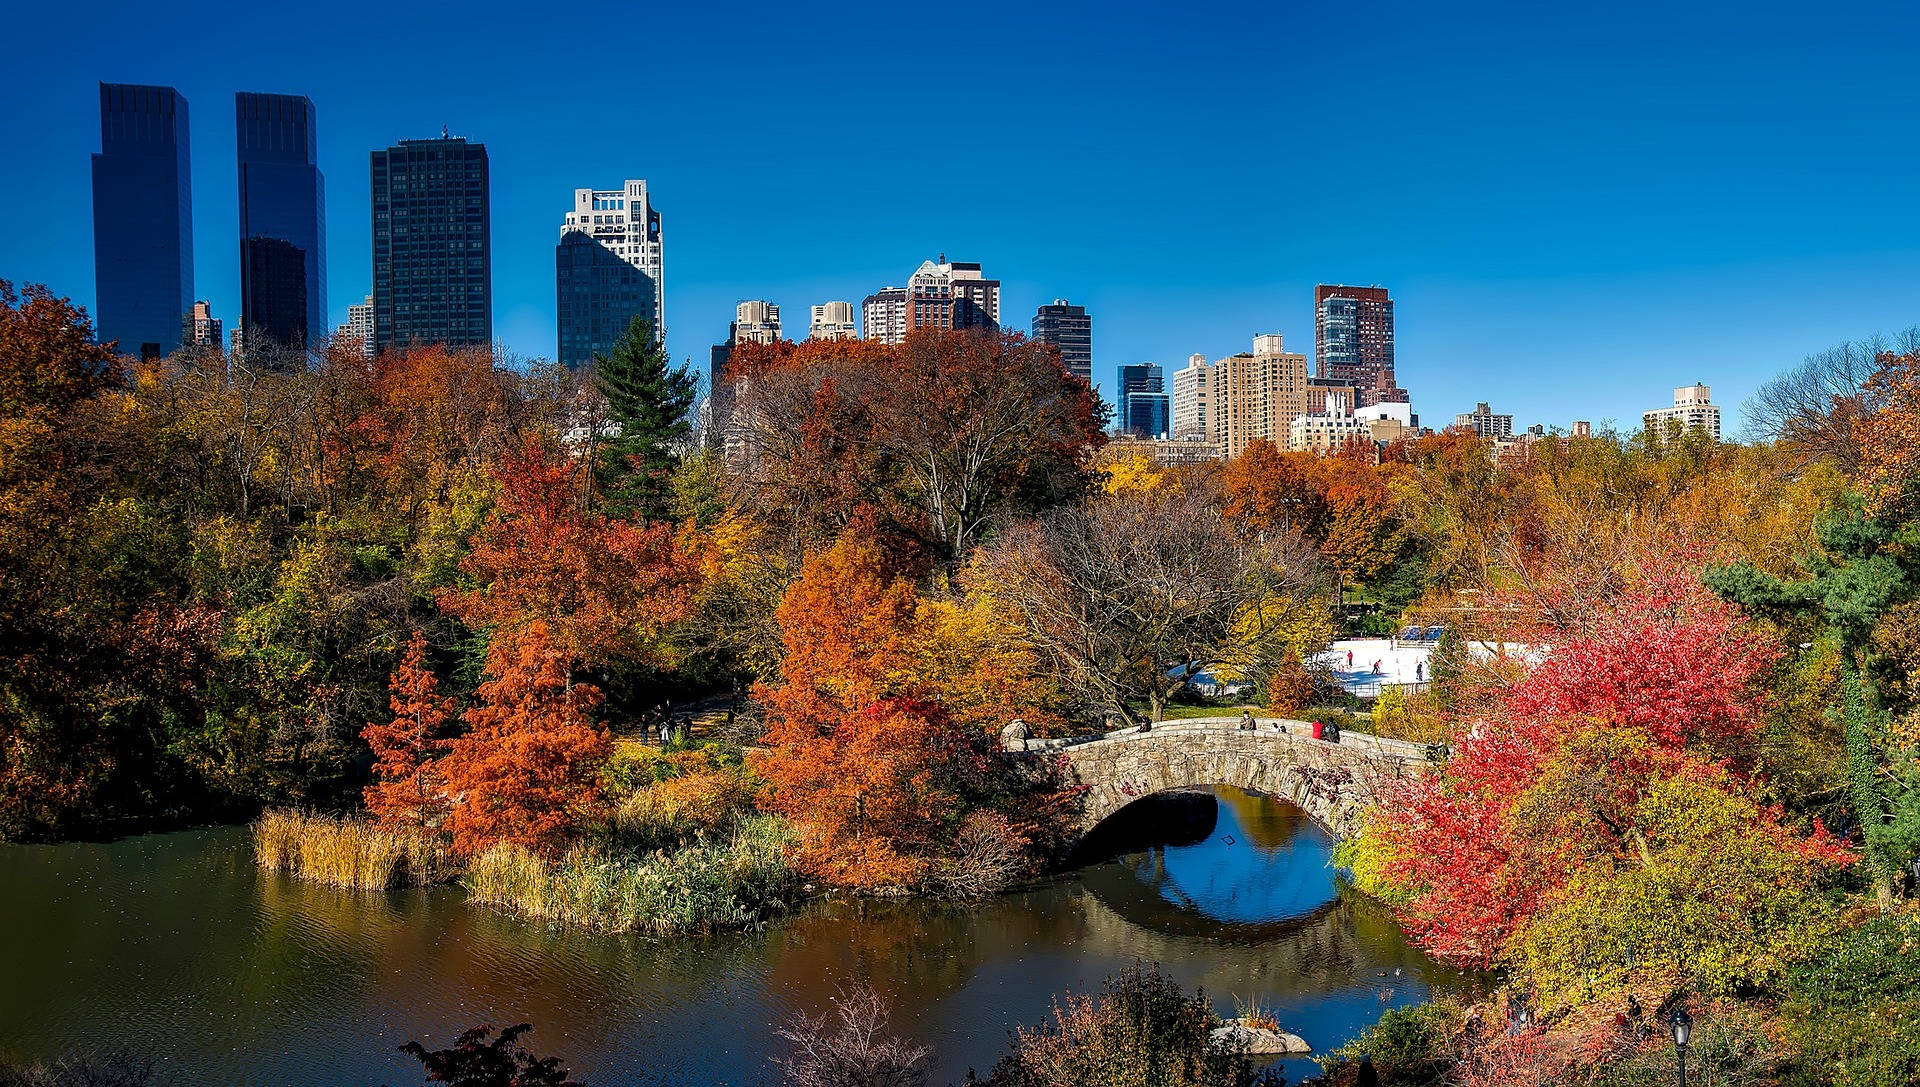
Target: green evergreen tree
1867	564
648	401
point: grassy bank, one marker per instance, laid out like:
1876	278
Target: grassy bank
348	852
736	879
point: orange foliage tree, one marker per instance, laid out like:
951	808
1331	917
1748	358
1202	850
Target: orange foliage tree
1890	434
875	774
526	771
407	789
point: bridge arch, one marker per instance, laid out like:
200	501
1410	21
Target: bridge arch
1334	783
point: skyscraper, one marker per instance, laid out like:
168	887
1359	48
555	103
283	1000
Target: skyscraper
142	219
940	295
432	244
283	221
755	321
608	270
1192	395
832	321
1143	400
883	315
1258	394
1068	328
1353	341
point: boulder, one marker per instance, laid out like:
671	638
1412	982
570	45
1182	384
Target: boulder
1261	1042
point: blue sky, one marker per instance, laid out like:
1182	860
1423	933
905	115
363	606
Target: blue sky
1577	207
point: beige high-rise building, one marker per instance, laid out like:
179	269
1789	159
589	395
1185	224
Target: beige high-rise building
755	321
832	321
1258	395
1193	414
1693	408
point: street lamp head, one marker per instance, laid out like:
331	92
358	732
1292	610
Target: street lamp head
1682	1025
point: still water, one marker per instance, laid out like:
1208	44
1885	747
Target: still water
175	945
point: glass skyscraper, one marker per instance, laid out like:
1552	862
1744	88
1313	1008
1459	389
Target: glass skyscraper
283	221
432	244
1353	341
1143	400
142	220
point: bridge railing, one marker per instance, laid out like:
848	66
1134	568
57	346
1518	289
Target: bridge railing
1264	727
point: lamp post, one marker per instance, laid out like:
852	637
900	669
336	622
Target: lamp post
1682	1025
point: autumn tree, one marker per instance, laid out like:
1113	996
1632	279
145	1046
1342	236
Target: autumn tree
1130	596
407	789
526	769
941	434
1580	775
647	404
861	752
602	587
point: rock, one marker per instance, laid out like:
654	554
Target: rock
1260	1041
1014	736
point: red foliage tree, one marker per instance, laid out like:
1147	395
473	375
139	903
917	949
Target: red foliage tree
600	586
407	789
1664	684
526	770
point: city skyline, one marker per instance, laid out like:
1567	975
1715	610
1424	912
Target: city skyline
1718	242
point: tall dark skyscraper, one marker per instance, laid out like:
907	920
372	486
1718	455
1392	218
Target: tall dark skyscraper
432	244
142	219
1142	400
283	220
1353	341
1068	328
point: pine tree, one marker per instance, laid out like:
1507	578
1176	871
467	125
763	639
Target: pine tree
648	401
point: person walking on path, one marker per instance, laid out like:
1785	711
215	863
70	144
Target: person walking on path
1420	671
1349	660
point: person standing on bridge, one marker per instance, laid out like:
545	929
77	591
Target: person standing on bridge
1246	721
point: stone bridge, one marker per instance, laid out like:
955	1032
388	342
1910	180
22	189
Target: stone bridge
1332	782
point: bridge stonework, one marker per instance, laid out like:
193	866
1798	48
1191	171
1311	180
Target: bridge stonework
1334	783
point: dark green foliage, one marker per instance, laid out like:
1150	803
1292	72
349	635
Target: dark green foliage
648	401
1143	1030
1867	564
1853	1011
474	1061
1449	662
1408	1047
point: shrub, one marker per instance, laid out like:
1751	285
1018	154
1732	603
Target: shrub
726	884
475	1061
348	852
1411	1046
1853	1011
679	808
1142	1030
988	854
854	1047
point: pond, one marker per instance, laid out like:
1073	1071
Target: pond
176	946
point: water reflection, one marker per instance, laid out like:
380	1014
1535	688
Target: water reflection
175	944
